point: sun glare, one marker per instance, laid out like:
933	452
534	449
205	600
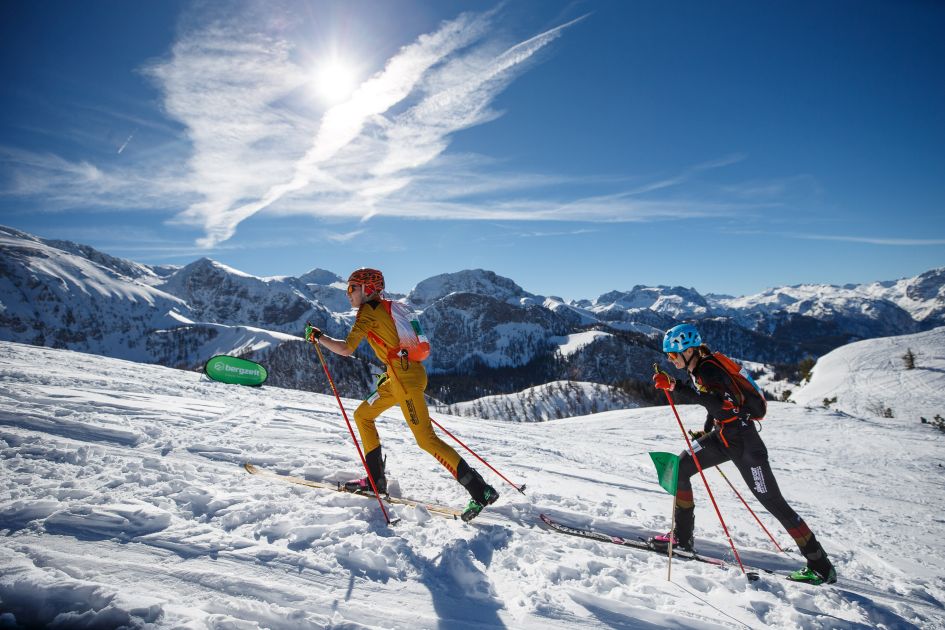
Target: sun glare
334	81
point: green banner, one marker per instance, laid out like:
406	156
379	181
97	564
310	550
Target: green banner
235	371
667	468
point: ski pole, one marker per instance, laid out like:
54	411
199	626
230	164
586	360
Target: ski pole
351	431
460	442
752	512
672	529
704	481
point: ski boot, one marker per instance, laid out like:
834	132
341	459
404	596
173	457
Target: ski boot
363	486
377	464
660	542
490	495
811	576
482	493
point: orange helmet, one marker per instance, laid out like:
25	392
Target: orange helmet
372	279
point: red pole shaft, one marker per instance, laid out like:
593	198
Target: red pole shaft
752	512
351	431
705	481
460	442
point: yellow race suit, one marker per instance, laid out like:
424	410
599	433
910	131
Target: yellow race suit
406	382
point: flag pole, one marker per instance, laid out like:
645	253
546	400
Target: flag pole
664	463
672	529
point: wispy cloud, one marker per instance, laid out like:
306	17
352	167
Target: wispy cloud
225	82
554	233
687	174
64	184
601	209
473	188
872	240
344	237
234	85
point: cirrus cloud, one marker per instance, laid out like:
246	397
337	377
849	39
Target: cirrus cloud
226	84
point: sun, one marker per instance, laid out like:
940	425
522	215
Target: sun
334	80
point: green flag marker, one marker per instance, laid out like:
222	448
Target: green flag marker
235	371
667	467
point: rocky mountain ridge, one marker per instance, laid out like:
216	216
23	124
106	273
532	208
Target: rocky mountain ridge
490	336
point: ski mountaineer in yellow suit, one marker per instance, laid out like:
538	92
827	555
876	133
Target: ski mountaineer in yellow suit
403	384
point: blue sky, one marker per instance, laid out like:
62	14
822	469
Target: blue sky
575	147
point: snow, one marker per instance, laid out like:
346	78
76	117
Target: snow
123	503
868	377
677	302
569	344
637	327
581	316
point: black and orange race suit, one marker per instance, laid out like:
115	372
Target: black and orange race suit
731	434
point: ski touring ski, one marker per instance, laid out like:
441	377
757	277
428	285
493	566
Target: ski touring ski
752	573
642	545
433	508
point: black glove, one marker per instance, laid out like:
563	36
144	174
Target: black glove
697	434
312	333
709	424
380	379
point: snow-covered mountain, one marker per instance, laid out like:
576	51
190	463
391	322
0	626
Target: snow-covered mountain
921	299
474	281
874	378
490	336
813	311
123	504
472	329
673	302
64	295
812	318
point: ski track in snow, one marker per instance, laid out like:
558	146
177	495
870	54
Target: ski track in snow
123	503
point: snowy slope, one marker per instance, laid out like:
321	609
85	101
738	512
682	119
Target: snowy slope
122	503
869	377
52	296
558	399
569	344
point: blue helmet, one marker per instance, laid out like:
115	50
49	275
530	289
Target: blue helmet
680	337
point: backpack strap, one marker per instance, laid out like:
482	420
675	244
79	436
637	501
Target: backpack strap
744	386
391	353
731	377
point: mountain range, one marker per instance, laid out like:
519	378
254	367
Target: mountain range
490	336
